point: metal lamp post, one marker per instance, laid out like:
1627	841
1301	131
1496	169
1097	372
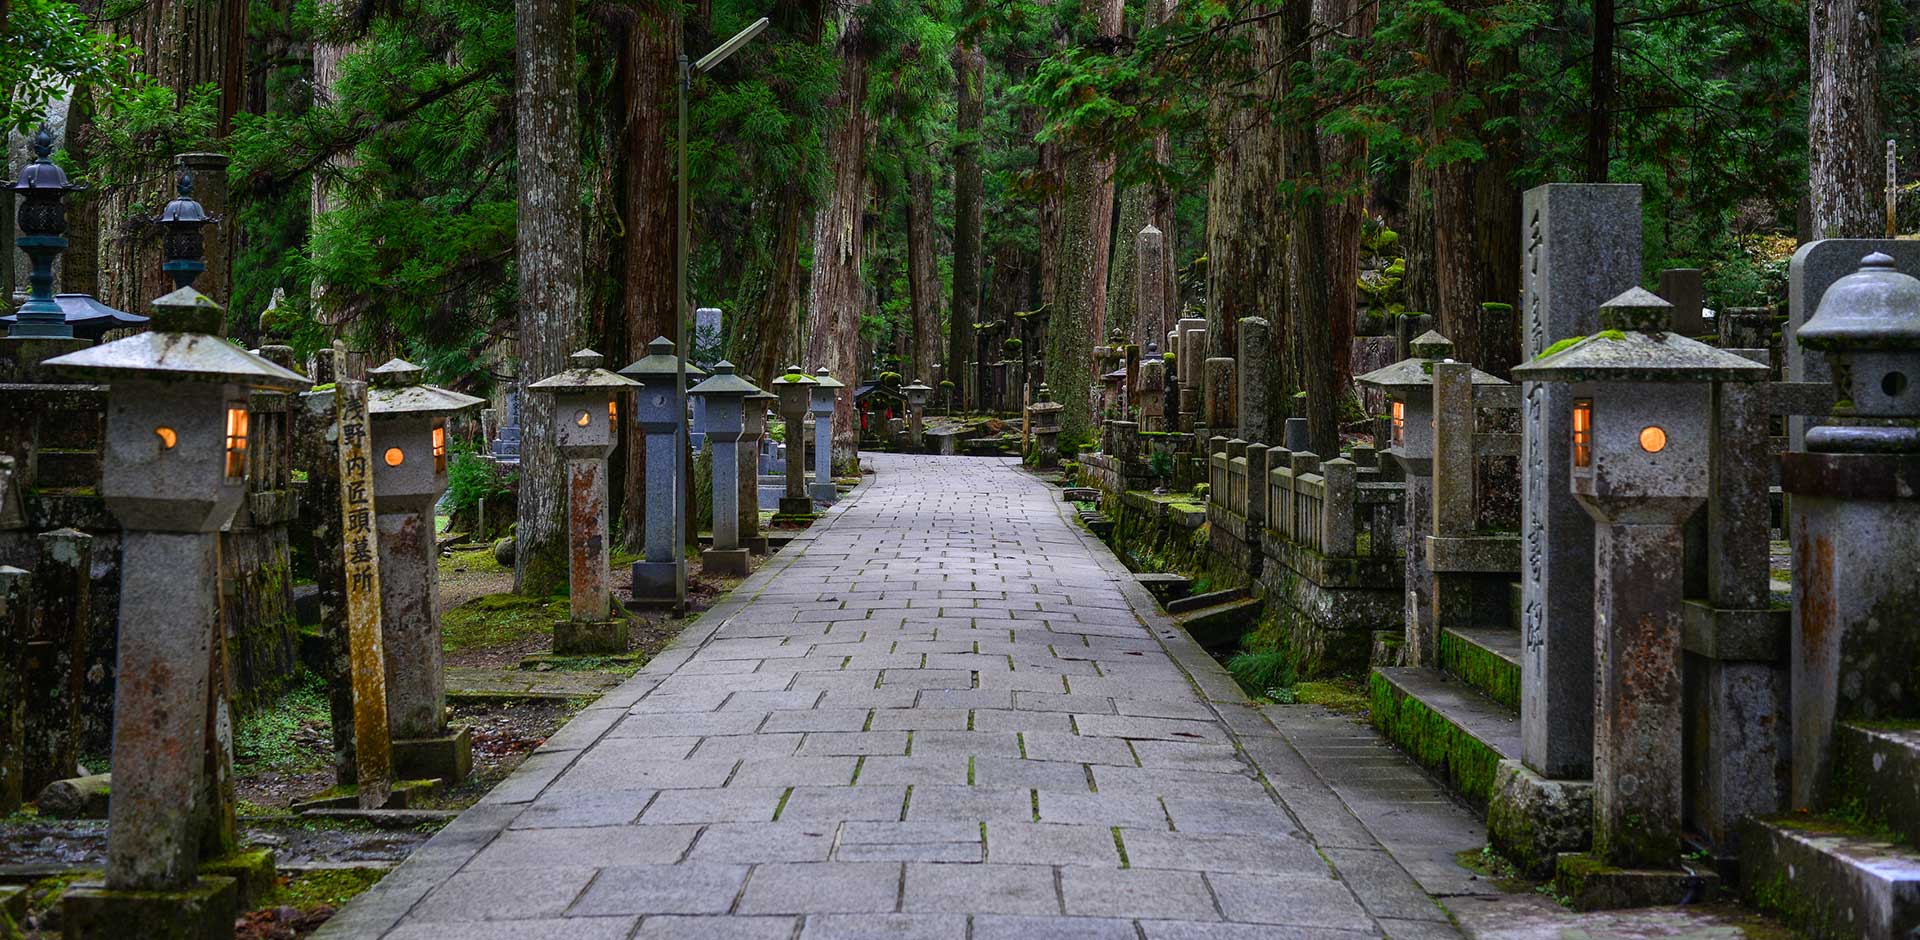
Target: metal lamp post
705	64
43	189
182	219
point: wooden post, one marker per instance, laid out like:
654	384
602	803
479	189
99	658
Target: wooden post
372	749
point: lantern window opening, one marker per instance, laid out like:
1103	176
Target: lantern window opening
1399	423
1583	432
167	437
613	413
236	442
394	456
1653	438
439	447
583	418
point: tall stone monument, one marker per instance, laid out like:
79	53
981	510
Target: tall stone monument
661	414
725	394
826	397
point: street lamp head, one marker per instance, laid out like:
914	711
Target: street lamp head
731	46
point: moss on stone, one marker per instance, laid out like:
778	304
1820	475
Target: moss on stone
1437	743
1481	668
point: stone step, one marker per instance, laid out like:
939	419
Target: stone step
1876	775
1220	626
1831	879
1487	658
1446	725
1209	599
1166	586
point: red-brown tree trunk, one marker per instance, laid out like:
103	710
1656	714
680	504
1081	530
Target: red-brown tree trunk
837	295
969	71
923	279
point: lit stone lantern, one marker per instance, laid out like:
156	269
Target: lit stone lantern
1045	414
1855	522
1408	385
173	474
796	391
586	427
409	423
1641	423
826	398
661	414
726	396
916	411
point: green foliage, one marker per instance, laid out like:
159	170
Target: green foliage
471	478
289	736
1160	464
47	46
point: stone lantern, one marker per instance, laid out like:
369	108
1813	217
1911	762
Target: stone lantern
1640	440
586	428
826	399
661	414
42	188
1408	385
795	390
916	393
1046	429
174	463
726	397
1855	522
755	414
409	428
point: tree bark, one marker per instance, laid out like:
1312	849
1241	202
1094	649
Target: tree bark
1846	177
326	73
1600	105
548	261
648	73
1346	159
1246	224
1308	271
923	279
837	295
969	70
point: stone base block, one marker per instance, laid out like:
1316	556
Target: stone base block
1531	820
757	544
796	505
405	793
730	562
204	910
590	638
448	757
253	872
1833	880
1589	884
656	580
823	494
13	911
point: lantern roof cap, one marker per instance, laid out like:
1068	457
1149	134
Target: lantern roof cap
1874	308
397	390
723	381
42	173
794	376
186	357
1416	372
1634	356
919	386
85	308
660	362
822	380
183	209
585	375
1431	345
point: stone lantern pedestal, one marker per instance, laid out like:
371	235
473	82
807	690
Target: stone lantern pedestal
826	394
795	391
725	395
173	474
1640	440
1046	430
409	475
586	416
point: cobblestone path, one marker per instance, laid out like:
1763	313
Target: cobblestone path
948	713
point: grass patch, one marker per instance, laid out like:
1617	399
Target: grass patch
288	736
1264	673
493	620
309	890
1342	694
477	561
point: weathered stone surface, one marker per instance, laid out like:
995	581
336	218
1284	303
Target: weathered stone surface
1829	881
76	797
203	910
1531	819
1582	246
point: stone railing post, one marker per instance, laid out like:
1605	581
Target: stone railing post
1341	484
1255	482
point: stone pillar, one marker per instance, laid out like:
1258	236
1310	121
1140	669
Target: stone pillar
16	623
210	190
1150	284
1190	361
1636	748
1296	435
727	556
1221	393
655	576
409	627
795	391
1681	287
1582	247
55	670
1259	411
754	418
1451	492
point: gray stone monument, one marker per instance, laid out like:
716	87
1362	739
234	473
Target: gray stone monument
1682	288
1581	246
795	389
725	394
586	428
506	447
409	421
173	474
1856	523
826	397
1639	440
661	414
1259	412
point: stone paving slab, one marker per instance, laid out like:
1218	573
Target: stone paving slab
943	712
